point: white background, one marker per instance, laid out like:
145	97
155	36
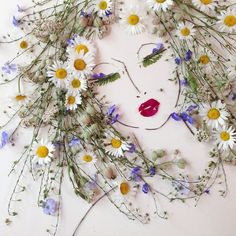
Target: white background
213	216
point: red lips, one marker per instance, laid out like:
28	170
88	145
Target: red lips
149	108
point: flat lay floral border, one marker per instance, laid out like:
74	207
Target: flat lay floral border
81	137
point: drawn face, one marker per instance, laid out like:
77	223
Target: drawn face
157	95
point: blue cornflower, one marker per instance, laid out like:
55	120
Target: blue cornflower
136	174
152	171
15	22
177	60
188	55
145	188
187	118
175	116
50	206
98	76
158	47
74	142
4	139
132	148
9	68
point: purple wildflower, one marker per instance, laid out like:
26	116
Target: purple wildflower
177	60
50	206
184	82
187	117
114	118
145	188
98	76
158	47
191	108
74	142
136	174
175	116
188	55
108	13
152	171
111	110
132	148
9	68
4	139
70	42
15	22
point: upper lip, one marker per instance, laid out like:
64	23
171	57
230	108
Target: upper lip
149	108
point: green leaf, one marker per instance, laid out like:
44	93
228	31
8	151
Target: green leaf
192	82
153	58
108	79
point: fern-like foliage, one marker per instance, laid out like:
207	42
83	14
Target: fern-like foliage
108	79
153	58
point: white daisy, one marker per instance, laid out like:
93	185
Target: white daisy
116	146
72	100
126	190
87	158
205	59
227	21
225	138
132	21
186	31
205	5
158	5
58	74
214	114
43	152
79	44
19	99
80	63
77	84
103	7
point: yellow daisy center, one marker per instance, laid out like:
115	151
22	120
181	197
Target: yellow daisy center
76	83
124	188
213	114
230	21
133	19
79	64
42	151
204	59
206	2
225	136
61	73
81	47
160	1
23	44
71	100
20	97
185	31
87	158
116	143
102	5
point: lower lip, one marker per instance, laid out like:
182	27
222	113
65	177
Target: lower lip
149	108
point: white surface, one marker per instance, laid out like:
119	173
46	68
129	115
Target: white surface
214	215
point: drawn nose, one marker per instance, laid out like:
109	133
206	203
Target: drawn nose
149	108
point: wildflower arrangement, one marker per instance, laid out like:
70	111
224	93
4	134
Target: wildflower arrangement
74	131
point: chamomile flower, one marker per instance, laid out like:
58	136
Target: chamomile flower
225	138
43	152
87	158
126	190
116	147
77	84
19	99
158	5
132	21
214	114
103	7
227	21
205	59
186	31
72	100
205	5
80	44
58	74
80	63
